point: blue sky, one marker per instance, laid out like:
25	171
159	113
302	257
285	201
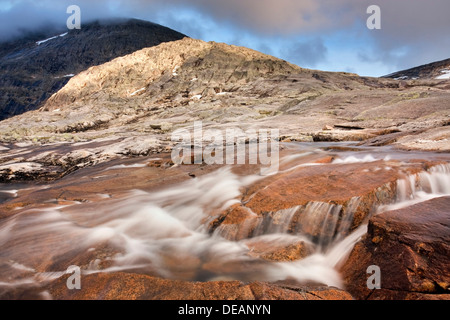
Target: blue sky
328	35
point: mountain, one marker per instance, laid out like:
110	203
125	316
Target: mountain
180	82
145	95
37	65
439	70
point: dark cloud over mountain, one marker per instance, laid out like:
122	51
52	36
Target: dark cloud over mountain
413	31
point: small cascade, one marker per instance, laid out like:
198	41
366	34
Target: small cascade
422	186
326	223
438	179
276	223
243	230
346	221
319	222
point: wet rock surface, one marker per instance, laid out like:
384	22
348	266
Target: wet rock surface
126	286
411	247
320	201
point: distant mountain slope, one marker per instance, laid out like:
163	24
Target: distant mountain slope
36	66
174	72
437	70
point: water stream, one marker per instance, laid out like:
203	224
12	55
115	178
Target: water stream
167	233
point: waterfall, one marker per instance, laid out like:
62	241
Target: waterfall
320	222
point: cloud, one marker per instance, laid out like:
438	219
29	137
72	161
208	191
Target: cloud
413	31
21	16
270	16
307	54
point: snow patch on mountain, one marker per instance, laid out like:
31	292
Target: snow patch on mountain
46	40
445	75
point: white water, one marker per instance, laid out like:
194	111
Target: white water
358	159
420	187
12	192
166	233
149	229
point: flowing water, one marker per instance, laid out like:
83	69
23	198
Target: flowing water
167	233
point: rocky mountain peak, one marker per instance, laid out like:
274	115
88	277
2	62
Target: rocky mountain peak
188	67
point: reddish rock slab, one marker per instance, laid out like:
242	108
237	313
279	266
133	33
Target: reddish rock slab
127	286
412	248
324	183
280	252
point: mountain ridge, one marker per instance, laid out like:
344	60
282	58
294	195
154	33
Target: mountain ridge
176	82
33	67
433	70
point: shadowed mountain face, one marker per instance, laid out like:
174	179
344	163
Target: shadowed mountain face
439	70
36	66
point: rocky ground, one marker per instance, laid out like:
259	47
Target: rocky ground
108	131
